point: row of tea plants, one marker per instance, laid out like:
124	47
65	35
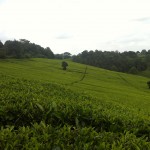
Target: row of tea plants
36	115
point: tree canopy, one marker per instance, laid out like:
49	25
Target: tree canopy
127	61
24	49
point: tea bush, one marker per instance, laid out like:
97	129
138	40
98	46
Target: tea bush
36	115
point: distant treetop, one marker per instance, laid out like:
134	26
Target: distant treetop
24	49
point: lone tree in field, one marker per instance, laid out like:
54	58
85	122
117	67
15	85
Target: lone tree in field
64	65
148	83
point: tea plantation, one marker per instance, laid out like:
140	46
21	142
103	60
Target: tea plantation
43	107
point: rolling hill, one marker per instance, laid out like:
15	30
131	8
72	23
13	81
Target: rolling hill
83	107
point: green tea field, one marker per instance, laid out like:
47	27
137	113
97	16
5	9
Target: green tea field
82	108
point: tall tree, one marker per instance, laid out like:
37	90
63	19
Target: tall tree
48	52
1	44
66	55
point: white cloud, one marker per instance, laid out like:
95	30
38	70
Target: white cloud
84	24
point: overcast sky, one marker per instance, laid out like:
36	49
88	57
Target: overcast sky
77	25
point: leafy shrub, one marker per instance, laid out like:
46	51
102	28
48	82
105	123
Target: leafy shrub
148	83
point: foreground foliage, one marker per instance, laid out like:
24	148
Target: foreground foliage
37	115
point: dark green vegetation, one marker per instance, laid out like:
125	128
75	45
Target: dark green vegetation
45	107
64	65
130	62
148	83
23	49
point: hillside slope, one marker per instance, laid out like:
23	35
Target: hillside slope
45	107
130	90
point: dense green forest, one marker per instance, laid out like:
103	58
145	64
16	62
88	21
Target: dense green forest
128	61
23	49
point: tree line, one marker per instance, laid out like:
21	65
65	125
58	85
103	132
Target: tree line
128	61
23	49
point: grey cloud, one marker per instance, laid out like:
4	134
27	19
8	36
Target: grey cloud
132	41
144	19
64	36
136	37
129	43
